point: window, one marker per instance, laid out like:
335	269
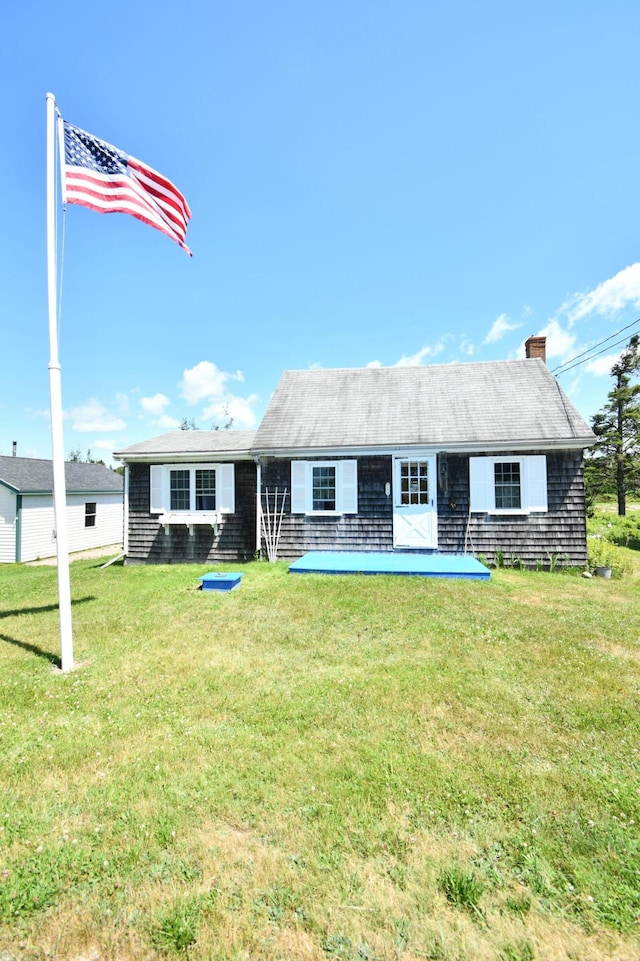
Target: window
414	482
324	487
90	510
205	490
192	488
180	490
508	485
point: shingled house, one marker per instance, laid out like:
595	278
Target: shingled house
190	495
480	458
27	523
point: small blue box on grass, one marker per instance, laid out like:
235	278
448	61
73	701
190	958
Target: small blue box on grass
219	582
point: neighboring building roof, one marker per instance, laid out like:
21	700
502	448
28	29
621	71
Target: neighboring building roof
490	404
30	475
186	443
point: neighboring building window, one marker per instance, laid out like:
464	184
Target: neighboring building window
90	510
414	482
324	487
508	485
191	488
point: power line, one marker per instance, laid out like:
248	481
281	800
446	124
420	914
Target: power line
570	364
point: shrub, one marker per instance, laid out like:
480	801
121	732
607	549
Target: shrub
602	553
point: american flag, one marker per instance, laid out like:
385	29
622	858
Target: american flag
106	179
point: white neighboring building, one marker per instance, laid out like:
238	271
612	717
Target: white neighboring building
95	511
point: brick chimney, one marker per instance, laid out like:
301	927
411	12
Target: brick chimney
536	347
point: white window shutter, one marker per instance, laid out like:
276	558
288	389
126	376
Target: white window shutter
157	501
348	503
535	484
225	489
482	491
298	486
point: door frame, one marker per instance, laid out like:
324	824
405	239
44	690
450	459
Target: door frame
424	525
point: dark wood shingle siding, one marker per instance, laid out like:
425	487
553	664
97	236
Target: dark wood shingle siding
560	533
235	540
369	530
532	538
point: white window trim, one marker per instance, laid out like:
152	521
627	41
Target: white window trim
346	487
160	493
533	484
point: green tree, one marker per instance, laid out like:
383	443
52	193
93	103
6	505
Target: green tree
614	463
75	457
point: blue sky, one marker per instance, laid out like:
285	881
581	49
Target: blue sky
419	182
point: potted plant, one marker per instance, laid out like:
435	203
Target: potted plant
602	555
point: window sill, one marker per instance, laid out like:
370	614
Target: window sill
495	512
190	519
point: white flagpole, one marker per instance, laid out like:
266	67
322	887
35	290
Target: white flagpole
55	391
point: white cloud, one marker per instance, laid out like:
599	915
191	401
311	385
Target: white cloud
122	403
108	445
501	326
415	360
601	366
467	348
42	414
94	417
155	406
238	409
205	381
167	423
373	363
608	298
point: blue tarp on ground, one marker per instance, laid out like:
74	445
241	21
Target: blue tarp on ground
423	565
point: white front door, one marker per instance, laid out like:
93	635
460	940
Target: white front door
415	505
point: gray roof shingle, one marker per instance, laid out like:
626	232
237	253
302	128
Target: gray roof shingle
186	442
35	476
489	403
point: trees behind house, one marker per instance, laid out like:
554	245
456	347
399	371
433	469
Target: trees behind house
75	457
613	466
188	423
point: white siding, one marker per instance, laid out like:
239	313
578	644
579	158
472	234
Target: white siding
7	526
37	538
38	524
109	521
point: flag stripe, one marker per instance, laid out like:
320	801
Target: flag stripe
157	182
167	214
167	205
99	176
118	195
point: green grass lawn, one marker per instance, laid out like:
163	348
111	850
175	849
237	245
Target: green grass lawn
316	767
